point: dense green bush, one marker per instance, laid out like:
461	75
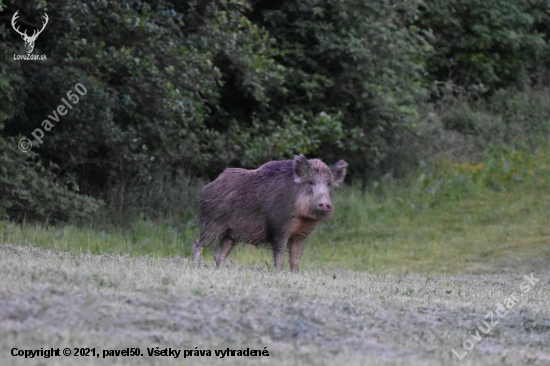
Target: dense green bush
465	120
485	44
186	89
153	89
154	92
353	61
30	191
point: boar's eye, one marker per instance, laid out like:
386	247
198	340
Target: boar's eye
311	182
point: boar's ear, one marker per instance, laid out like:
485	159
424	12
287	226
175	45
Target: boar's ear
338	171
301	168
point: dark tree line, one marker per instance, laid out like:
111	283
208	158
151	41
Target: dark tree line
197	86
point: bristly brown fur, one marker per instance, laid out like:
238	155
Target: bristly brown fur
274	204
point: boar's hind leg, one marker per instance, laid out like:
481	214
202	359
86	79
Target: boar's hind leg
296	247
223	250
199	244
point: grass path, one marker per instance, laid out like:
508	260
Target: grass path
56	299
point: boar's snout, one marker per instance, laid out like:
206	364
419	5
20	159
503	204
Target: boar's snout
324	206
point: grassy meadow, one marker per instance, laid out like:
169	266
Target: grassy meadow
56	299
446	217
404	273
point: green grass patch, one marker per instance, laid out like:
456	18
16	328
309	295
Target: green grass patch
447	217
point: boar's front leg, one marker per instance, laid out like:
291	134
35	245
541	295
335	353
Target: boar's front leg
296	247
223	250
278	244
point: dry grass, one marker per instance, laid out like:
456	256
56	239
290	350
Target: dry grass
61	299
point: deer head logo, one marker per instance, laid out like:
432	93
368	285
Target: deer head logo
29	41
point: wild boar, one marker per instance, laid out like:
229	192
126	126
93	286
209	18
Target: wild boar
279	204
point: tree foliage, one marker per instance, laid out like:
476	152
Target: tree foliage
32	192
350	62
487	44
196	86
